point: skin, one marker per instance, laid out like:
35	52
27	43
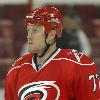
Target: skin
36	38
36	41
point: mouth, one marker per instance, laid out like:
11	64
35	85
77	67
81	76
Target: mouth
29	43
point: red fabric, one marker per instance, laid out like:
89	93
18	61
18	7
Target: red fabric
50	17
65	77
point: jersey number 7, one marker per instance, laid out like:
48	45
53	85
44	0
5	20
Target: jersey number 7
94	78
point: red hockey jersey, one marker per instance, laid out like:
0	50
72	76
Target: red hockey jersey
66	75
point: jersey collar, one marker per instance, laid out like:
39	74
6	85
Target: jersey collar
48	61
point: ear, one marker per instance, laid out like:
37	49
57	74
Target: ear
51	37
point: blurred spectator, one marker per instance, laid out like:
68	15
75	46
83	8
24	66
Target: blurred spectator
96	24
6	38
73	37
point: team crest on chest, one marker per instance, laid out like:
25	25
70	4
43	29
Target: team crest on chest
41	90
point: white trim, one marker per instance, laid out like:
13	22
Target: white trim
33	64
17	67
28	84
16	61
46	61
73	61
34	89
40	87
13	69
58	91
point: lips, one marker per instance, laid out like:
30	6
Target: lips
29	43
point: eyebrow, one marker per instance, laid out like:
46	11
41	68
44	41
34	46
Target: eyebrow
32	26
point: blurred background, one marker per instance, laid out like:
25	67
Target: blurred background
81	29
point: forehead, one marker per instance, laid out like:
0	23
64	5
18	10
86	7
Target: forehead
33	26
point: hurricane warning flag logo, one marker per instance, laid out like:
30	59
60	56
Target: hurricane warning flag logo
40	90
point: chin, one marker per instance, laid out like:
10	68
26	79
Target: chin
31	51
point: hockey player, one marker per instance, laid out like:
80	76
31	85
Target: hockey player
47	72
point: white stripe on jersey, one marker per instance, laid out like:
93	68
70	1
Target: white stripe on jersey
17	67
73	61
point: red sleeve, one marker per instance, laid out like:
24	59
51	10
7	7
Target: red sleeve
10	87
88	87
11	80
85	80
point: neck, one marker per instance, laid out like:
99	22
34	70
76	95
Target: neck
46	56
51	49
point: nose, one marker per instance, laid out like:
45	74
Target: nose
29	35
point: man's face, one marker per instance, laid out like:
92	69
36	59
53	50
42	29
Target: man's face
36	38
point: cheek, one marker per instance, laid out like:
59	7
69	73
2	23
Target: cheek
41	42
37	40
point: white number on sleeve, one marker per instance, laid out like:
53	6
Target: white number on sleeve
94	77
